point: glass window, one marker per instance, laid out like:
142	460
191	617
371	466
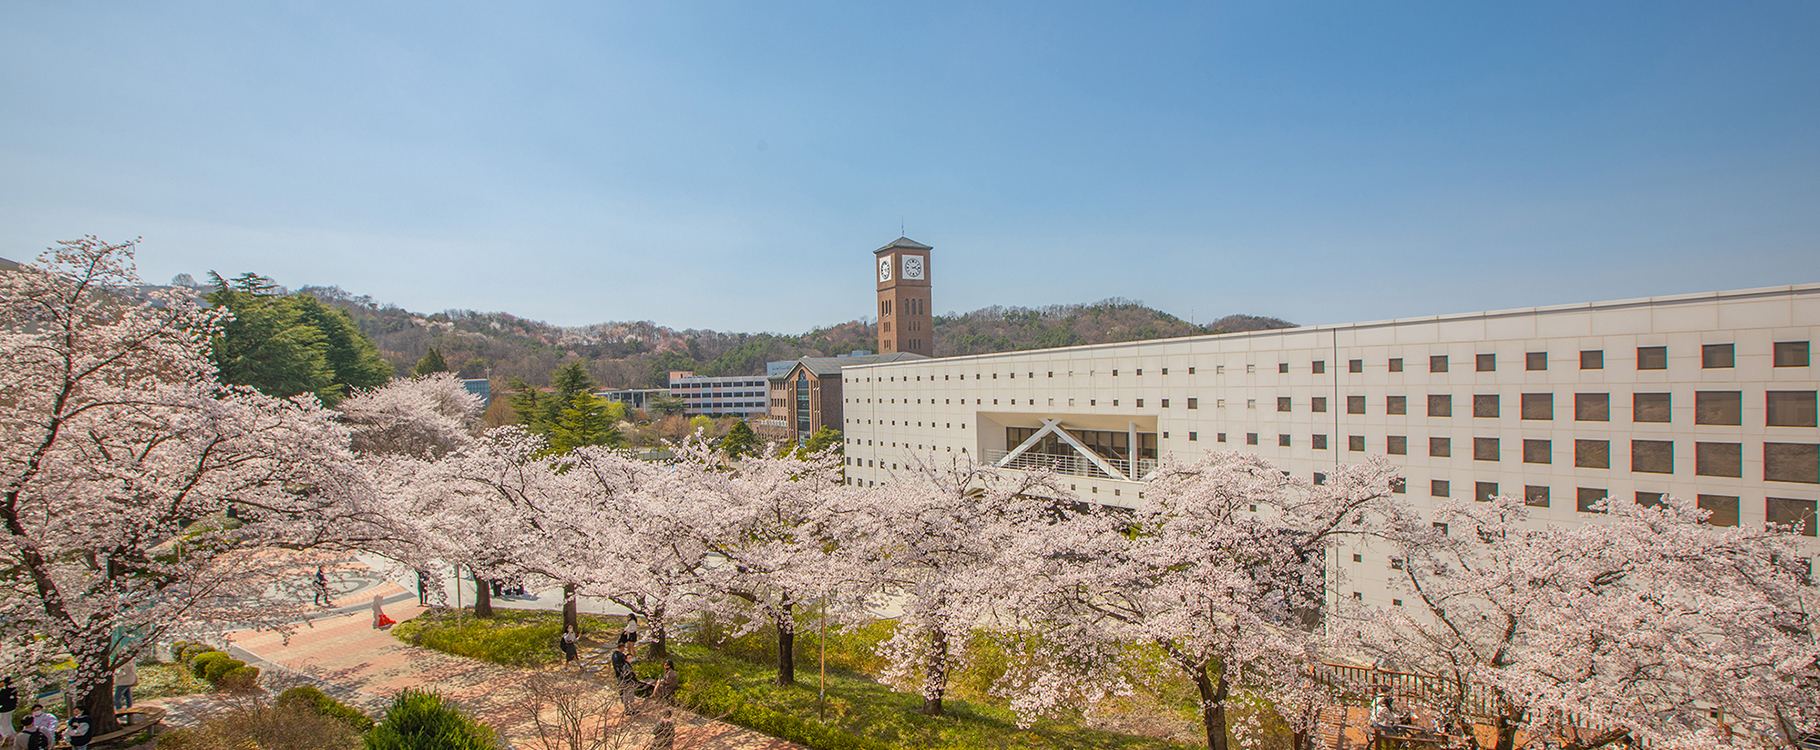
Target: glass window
1790	408
1396	445
1440	405
1535	496
1438	487
1485	405
1355	404
1791	354
1538	406
1437	363
1535	361
1320	442
1282	367
1396	404
1194	403
1355	365
1355	442
1790	512
1592	359
1652	456
1251	438
1396	364
1484	449
1585	497
1592	454
1649	499
1283	403
1320	366
1719	459
1649	407
1538	452
1719	407
1791	462
1652	357
1483	491
1485	363
1724	509
1592	407
1318	404
1717	356
1440	447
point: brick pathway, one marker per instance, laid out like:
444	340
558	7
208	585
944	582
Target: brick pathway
365	667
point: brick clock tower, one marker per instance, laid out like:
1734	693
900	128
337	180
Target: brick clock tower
903	298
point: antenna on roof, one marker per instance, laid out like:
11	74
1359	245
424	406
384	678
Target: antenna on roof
900	226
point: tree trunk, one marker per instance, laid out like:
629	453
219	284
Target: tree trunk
1507	733
98	700
786	644
1213	707
935	673
660	636
571	619
483	598
1598	740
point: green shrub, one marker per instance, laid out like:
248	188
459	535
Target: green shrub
419	720
218	668
242	679
199	664
315	700
191	650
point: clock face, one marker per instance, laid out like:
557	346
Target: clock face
884	269
913	266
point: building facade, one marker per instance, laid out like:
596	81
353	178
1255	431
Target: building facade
905	324
1709	397
733	395
806	396
633	398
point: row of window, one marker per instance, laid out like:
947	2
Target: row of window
1782	511
718	384
1712	356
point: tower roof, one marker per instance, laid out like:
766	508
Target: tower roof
904	243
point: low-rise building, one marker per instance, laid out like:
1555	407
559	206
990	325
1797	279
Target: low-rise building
807	396
727	395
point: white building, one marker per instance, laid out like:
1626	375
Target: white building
730	395
1707	396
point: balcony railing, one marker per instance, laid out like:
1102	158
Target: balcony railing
1074	464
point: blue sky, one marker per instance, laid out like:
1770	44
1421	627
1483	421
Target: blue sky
731	166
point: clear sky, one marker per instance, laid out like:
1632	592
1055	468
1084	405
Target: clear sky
732	165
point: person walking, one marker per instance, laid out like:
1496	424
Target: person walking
630	633
664	737
379	618
628	677
41	733
423	589
78	731
667	685
125	678
322	588
569	636
9	702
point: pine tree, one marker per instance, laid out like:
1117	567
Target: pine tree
589	420
431	364
741	441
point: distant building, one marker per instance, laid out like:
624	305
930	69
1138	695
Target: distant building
480	387
633	398
807	396
733	395
904	322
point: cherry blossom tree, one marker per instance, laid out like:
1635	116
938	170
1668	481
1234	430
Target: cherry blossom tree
426	416
765	522
1221	570
1647	625
932	539
123	455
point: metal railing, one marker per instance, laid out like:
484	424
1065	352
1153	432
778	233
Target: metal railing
1074	464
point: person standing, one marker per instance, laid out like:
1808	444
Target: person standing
628	677
569	636
322	588
78	731
379	618
124	679
423	589
664	737
630	633
9	702
41	733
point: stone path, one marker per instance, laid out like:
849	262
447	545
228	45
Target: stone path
365	667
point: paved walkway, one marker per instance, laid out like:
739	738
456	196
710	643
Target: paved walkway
365	667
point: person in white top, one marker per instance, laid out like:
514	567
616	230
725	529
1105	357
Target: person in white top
42	728
124	679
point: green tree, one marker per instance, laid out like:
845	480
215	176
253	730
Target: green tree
285	345
824	437
351	355
741	441
543	413
589	420
419	720
665	404
431	364
703	424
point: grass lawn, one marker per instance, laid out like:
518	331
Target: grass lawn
166	680
731	678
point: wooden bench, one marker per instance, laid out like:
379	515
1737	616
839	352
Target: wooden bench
138	720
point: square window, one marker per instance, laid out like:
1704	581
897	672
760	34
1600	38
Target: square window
1652	357
1396	445
1650	499
1440	447
1357	558
1485	449
1483	491
1396	364
1791	354
1592	454
1791	462
1355	404
1652	456
1791	513
1535	496
1251	438
1719	407
1584	497
1719	459
1220	437
1650	407
1592	407
1283	403
1398	486
1437	488
1355	365
1318	404
1592	359
1538	452
1282	367
1440	405
1165	371
1790	408
1355	442
1486	363
1724	509
1140	403
1283	441
1251	403
1320	478
1320	366
1320	442
1485	405
1194	403
1165	403
1437	363
1538	406
1193	436
1535	361
1717	356
1191	370
1441	527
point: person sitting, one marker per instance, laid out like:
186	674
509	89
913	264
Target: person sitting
667	685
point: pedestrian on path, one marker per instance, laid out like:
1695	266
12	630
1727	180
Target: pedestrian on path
569	637
41	733
125	678
9	702
423	589
379	618
628	677
322	588
664	737
78	731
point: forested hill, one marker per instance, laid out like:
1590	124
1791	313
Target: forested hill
639	354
